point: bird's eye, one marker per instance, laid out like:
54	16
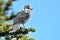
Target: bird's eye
28	8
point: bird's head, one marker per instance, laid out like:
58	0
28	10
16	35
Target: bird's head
27	8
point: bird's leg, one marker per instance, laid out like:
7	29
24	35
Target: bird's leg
19	25
24	27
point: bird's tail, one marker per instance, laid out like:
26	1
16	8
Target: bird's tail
14	28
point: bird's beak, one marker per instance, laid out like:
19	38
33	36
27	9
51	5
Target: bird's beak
31	8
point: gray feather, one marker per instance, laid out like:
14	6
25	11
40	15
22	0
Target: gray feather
15	27
21	17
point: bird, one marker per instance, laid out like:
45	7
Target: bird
21	18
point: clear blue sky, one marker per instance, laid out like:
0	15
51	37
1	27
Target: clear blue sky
45	18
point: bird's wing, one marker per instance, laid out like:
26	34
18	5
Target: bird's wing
19	13
20	17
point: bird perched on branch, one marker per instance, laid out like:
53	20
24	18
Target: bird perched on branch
21	18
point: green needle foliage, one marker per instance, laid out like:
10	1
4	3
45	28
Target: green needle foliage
5	27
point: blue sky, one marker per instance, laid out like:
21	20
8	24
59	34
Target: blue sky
45	18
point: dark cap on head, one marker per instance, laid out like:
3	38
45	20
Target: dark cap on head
27	6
